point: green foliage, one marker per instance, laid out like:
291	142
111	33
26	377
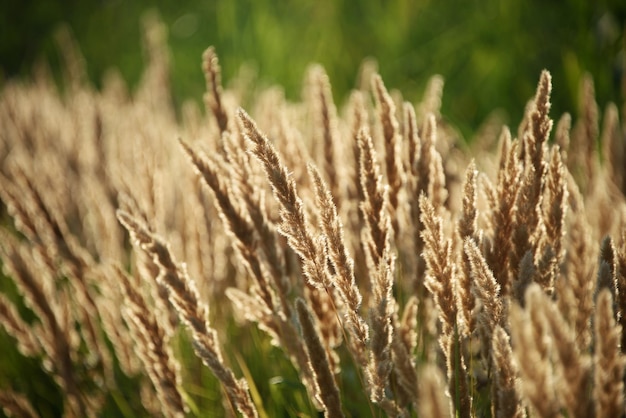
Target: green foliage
489	51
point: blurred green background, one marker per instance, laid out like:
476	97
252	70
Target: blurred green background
490	52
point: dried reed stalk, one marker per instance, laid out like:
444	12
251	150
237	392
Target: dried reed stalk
410	239
573	368
608	389
419	181
184	296
562	136
325	386
407	328
326	130
403	348
554	218
113	322
148	270
604	280
154	86
433	93
39	214
15	326
581	264
342	263
285	336
613	149
248	183
441	281
526	276
526	221
152	348
607	271
467	229
437	189
411	133
392	140
433	397
531	345
293	223
380	317
506	399
36	288
528	227
377	242
421	151
486	289
325	305
236	222
587	131
441	273
373	207
56	340
505	213
75	73
16	405
213	97
360	120
295	227
276	320
536	137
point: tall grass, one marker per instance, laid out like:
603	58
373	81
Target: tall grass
356	261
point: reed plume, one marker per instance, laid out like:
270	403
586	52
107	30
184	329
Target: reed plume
487	290
293	224
326	387
213	97
506	401
529	221
392	138
342	263
468	230
608	359
237	223
153	350
185	298
441	280
377	241
531	346
325	117
505	213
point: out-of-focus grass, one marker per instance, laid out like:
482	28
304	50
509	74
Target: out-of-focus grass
24	374
489	51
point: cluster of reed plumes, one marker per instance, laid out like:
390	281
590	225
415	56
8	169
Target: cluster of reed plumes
400	271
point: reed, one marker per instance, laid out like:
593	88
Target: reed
390	273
